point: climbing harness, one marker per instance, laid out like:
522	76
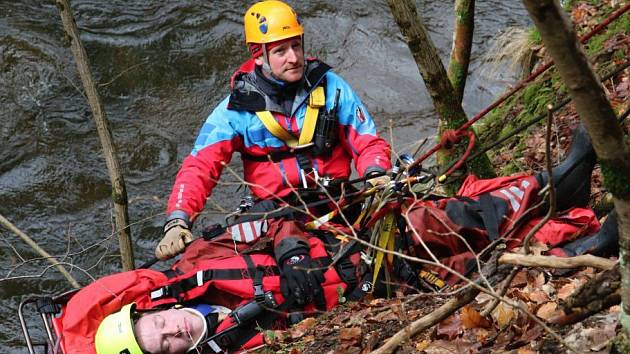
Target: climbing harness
316	100
318	134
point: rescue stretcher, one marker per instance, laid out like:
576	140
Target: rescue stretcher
49	309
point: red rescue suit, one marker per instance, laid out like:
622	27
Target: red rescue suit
227	282
455	229
234	127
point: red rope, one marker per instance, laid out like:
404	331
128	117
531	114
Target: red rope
464	128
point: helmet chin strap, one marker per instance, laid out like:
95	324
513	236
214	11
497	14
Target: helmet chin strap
205	328
266	66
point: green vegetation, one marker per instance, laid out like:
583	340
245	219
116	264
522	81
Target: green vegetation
596	44
534	36
532	101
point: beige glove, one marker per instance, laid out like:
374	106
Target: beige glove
176	237
379	181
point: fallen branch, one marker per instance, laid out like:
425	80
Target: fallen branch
6	223
442	312
557	262
597	294
494	274
430	320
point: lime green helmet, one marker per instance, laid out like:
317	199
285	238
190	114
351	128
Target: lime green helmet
115	333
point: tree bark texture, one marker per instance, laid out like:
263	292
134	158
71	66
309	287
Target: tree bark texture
597	115
119	193
445	101
462	44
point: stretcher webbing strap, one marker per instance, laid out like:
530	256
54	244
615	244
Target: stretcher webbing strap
201	277
257	276
489	216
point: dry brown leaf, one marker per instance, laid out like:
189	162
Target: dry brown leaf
519	280
549	289
377	302
539	281
565	291
481	334
502	314
525	350
457	345
349	334
588	271
471	318
578	14
519	294
301	328
547	310
385	316
420	346
272	337
538	296
614	309
450	327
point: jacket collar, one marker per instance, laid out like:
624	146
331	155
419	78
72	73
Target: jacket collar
251	92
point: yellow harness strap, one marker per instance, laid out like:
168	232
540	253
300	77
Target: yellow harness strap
276	129
385	241
316	100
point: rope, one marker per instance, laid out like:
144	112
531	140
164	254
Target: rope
519	86
555	108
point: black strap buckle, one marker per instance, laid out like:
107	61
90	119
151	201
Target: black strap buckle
347	272
46	305
259	293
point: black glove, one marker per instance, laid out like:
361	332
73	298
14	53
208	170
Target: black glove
300	281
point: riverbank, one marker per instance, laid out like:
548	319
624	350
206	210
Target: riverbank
365	326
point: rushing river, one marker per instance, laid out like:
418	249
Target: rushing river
161	67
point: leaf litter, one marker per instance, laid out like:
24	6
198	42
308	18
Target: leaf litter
361	327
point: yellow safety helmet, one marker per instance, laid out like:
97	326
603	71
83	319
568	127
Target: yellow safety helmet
270	21
115	334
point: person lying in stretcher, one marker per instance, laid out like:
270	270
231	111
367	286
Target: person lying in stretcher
219	303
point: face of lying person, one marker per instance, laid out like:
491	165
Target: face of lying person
171	331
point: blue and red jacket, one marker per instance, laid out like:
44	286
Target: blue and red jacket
234	127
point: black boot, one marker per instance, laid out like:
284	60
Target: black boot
603	243
572	177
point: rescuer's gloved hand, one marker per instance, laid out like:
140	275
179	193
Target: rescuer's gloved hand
300	280
176	235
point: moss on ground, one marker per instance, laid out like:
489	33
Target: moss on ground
531	102
596	44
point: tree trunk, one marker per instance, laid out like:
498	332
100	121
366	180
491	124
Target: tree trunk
599	118
445	100
119	193
462	44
